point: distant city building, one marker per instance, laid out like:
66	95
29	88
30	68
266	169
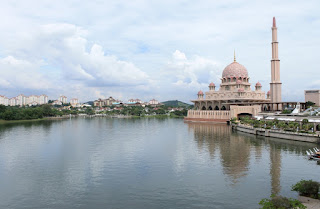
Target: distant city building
74	102
63	99
105	102
134	101
312	96
154	103
22	100
56	102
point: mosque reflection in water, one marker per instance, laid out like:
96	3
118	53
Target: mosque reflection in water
235	151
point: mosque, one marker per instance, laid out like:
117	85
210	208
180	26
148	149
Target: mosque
235	97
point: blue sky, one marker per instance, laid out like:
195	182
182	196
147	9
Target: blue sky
153	49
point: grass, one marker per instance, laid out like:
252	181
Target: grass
21	121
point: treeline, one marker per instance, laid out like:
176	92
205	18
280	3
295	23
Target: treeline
141	111
27	113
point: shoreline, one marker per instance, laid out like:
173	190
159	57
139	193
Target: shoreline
3	122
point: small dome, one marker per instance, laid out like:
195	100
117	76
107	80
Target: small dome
200	93
234	70
241	90
238	82
212	84
258	84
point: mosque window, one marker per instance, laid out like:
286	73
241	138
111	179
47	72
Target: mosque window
234	79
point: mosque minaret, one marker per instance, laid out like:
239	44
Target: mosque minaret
275	85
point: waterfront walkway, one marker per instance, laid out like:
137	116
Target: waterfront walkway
309	202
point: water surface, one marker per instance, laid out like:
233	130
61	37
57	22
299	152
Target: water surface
144	163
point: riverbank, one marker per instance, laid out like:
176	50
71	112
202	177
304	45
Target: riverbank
304	137
85	115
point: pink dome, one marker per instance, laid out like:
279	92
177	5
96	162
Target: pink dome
241	90
200	93
212	84
258	84
234	70
238	82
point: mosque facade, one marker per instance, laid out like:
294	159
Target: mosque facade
235	96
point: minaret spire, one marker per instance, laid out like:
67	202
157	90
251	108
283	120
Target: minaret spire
234	55
275	85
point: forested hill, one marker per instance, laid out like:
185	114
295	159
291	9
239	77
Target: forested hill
175	103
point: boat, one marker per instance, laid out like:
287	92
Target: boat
314	155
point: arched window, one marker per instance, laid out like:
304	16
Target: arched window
229	79
234	79
203	108
216	108
223	108
210	108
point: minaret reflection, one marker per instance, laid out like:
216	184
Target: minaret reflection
275	168
234	149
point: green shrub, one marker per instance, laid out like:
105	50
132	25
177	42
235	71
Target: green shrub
280	202
307	188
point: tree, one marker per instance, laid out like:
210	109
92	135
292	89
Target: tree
309	104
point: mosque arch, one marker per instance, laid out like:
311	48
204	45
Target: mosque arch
203	108
223	108
234	79
210	108
216	108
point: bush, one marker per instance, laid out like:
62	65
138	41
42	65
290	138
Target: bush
280	202
307	188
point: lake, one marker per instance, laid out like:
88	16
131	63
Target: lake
144	163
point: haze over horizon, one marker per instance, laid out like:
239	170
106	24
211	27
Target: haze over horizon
164	50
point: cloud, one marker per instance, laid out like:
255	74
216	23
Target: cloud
18	74
195	72
124	49
63	47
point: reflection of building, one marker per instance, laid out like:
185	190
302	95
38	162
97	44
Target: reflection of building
234	149
235	96
312	96
275	168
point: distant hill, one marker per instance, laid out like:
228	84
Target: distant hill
175	103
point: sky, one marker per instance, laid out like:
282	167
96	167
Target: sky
153	49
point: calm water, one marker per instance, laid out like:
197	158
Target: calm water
144	163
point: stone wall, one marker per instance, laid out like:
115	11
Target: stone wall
208	115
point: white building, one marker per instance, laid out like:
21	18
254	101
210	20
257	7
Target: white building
22	100
74	102
63	99
153	102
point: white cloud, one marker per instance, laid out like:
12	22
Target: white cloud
17	74
195	73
